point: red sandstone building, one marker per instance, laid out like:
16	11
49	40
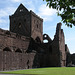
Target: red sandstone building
22	47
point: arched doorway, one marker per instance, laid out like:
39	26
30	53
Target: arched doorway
37	40
18	50
46	39
7	49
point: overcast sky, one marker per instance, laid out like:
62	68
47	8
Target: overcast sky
8	7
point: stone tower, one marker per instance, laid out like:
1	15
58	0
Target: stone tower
20	21
36	27
26	23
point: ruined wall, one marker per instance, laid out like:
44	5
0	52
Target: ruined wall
62	49
15	60
58	47
23	47
13	41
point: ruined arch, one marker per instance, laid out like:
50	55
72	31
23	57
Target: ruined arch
47	38
18	50
45	41
37	40
7	49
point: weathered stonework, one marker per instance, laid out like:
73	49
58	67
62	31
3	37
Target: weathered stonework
22	47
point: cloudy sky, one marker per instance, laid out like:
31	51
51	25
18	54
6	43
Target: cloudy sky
8	7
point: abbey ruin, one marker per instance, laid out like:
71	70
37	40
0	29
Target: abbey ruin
22	47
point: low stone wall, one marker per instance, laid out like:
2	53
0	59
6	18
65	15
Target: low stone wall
15	60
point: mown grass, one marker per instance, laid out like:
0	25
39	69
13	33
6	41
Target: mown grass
45	71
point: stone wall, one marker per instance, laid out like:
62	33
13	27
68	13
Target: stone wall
15	60
36	26
13	41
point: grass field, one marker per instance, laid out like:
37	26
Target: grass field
45	71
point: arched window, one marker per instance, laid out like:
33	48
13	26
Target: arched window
38	40
37	25
7	49
21	10
18	50
45	38
19	25
45	41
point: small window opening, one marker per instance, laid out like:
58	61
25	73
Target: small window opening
37	25
19	25
34	21
45	36
21	10
38	40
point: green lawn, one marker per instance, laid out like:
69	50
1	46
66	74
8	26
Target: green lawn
46	71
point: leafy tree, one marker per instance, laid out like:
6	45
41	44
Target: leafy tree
66	9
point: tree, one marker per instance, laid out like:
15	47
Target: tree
66	9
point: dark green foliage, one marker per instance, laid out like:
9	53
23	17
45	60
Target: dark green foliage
67	7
